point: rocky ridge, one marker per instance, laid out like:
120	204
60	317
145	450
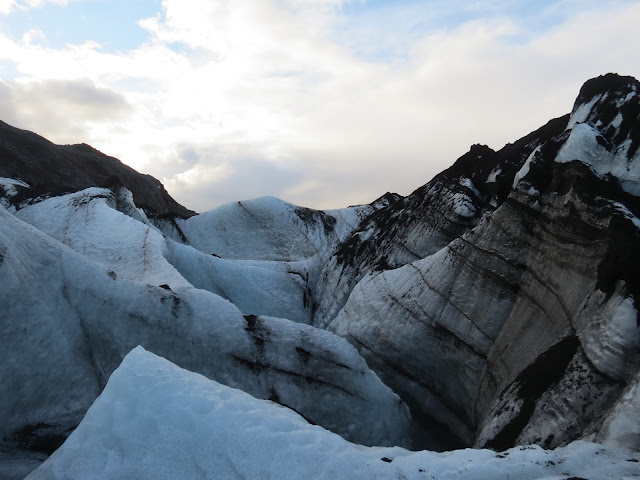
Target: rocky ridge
526	312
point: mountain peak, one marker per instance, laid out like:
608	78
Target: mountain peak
611	83
611	104
605	129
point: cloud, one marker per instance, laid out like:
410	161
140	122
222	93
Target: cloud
219	174
297	99
64	109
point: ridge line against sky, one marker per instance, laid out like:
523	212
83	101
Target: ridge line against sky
324	103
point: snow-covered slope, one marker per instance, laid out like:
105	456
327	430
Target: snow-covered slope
157	421
604	129
88	222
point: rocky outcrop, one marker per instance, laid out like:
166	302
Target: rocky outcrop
412	228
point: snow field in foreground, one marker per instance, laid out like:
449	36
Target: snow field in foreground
156	421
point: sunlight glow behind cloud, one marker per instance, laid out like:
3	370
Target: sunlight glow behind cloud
320	102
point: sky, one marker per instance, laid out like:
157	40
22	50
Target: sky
323	103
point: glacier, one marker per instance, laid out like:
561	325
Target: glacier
157	421
496	307
72	320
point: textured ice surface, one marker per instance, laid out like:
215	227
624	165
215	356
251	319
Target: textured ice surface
268	229
157	421
274	288
581	112
8	189
609	331
621	429
583	145
68	321
9	185
463	205
88	222
510	316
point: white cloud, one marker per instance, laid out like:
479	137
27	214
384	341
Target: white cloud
230	100
7	6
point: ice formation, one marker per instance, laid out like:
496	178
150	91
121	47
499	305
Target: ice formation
156	421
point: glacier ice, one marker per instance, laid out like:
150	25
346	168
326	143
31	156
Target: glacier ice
154	420
68	321
500	300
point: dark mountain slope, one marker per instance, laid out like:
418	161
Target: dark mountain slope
51	169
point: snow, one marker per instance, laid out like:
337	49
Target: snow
582	111
9	185
8	189
583	145
463	205
626	213
131	247
46	376
492	178
468	183
620	429
608	328
256	287
128	245
617	121
266	229
156	421
626	99
525	168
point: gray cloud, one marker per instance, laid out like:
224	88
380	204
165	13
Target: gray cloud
61	109
200	176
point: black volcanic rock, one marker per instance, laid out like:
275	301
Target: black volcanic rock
51	170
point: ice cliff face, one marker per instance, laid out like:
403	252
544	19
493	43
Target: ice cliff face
499	301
